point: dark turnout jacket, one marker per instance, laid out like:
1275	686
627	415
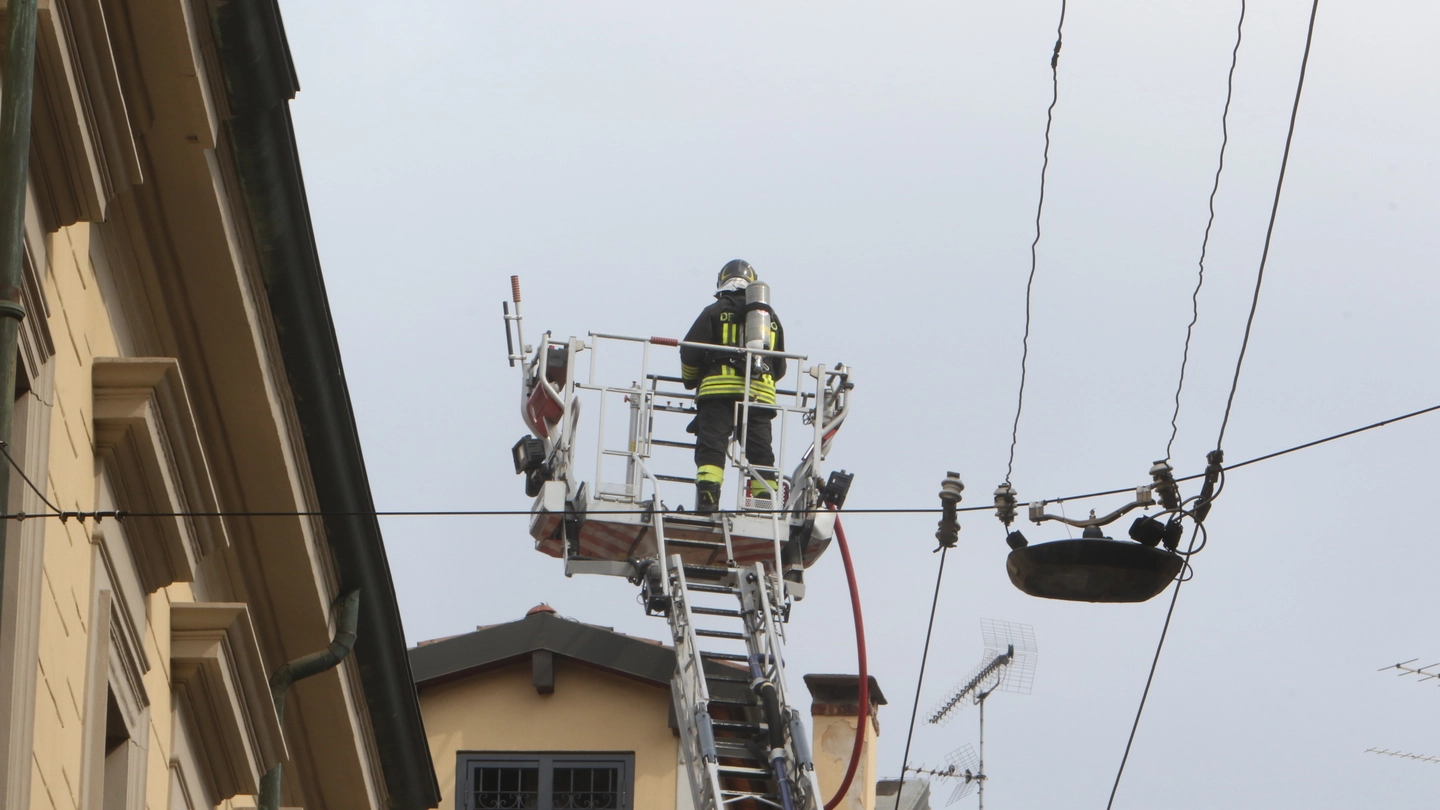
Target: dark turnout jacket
722	374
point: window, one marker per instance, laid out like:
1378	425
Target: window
522	781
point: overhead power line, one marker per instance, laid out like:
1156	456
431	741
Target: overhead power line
1039	209
1270	228
922	510
1209	224
1239	362
920	679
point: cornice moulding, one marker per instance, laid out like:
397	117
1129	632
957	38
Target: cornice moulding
145	430
217	672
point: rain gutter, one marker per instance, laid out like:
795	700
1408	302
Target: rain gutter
260	80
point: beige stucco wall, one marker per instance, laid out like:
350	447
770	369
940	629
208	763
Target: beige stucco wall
834	740
81	330
590	710
167	272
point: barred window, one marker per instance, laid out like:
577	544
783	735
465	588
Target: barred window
544	781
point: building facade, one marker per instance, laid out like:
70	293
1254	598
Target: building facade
549	713
182	423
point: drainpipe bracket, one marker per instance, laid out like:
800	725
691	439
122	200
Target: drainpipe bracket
12	309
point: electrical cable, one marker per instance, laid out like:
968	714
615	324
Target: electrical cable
4	448
1154	662
925	510
1270	229
1234	384
1039	209
863	718
1209	224
919	680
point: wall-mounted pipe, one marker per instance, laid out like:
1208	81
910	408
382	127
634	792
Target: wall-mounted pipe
15	103
302	668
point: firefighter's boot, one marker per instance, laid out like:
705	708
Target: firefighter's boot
760	492
707	497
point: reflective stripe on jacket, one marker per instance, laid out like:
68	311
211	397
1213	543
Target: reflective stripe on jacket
722	374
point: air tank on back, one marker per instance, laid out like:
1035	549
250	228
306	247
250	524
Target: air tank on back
757	318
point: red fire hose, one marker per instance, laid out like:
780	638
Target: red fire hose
863	719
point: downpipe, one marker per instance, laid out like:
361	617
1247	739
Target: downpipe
305	667
15	103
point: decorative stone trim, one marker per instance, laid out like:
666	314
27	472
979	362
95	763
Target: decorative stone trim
82	152
146	433
217	673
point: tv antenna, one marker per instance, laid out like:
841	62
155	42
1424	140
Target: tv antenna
1424	672
1387	752
1008	665
964	768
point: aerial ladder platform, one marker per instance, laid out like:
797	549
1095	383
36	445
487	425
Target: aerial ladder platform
725	582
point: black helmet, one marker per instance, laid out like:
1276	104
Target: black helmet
736	269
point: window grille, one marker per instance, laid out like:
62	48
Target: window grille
544	781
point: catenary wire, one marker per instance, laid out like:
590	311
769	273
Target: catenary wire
1154	662
925	510
920	679
1209	224
1234	383
1039	209
1270	228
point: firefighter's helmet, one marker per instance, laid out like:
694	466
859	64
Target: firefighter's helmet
737	274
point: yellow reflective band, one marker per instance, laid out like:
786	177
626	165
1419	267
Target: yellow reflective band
710	473
729	382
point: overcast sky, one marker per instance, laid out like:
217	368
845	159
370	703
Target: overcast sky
879	165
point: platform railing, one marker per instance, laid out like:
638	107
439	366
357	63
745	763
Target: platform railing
645	390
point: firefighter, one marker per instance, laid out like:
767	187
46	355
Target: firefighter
720	380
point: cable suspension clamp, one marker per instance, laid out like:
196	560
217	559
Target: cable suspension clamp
1215	464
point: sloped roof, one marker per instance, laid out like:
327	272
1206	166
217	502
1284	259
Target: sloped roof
498	645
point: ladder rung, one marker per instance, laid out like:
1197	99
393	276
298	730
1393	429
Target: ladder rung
701	587
741	770
724	656
713	611
719	701
687	543
706	571
720	634
692	518
723	679
749	794
731	725
734	751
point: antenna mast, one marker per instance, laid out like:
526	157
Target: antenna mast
1008	665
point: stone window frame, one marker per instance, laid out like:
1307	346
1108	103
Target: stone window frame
117	706
222	699
546	762
25	546
148	438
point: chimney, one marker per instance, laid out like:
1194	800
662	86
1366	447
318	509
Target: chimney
834	714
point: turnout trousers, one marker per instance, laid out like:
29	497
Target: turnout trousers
715	423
